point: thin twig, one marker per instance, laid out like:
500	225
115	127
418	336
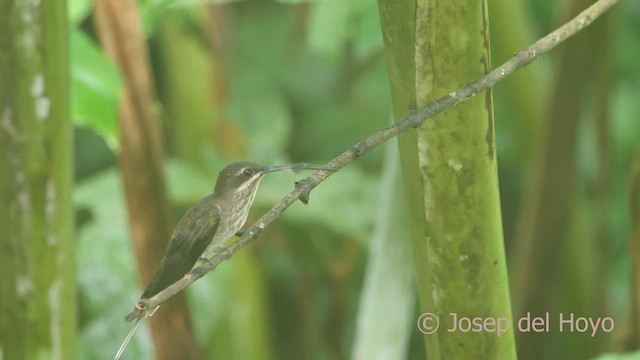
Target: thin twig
413	120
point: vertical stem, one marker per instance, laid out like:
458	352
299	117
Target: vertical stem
450	171
188	92
37	283
634	251
140	160
548	211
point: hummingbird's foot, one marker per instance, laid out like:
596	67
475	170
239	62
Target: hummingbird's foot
218	250
222	250
205	259
241	233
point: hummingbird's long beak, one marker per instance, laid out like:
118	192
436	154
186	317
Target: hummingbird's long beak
296	167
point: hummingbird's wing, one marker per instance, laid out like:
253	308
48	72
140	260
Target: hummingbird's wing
190	238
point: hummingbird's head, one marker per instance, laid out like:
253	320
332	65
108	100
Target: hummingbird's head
239	177
244	177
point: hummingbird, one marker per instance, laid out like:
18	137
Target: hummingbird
207	225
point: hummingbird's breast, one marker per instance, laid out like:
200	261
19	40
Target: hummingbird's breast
233	214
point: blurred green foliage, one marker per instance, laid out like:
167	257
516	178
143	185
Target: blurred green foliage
628	356
95	87
301	81
106	268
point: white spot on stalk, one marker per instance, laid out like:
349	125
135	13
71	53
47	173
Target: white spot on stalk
463	258
433	253
28	42
37	88
20	176
423	162
56	325
23	198
456	166
7	125
24	285
27	17
28	12
50	211
42	103
42	108
24	202
436	294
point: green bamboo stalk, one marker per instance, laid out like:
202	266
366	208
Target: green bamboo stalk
189	75
634	253
37	292
450	172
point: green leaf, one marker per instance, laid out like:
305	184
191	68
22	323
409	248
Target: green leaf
389	281
78	10
96	86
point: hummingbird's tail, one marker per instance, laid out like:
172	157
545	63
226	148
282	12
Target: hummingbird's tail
133	330
128	338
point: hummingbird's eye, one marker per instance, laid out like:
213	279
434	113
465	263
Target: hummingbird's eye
247	172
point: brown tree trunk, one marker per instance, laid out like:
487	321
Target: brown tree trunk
140	160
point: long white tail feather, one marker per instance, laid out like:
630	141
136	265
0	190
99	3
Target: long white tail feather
133	330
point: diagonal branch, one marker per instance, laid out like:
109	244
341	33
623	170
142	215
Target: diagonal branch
414	119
